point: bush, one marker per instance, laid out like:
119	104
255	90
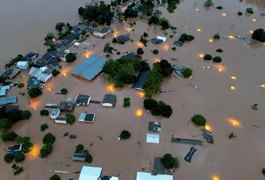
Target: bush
208	57
125	134
170	162
44	112
231	135
140	51
48	139
259	35
145	34
164	23
26	144
55	72
114	40
187	73
70	118
64	91
216	36
55	177
19	157
263	171
126	102
43	127
46	150
16	169
166	111
174	48
5	124
163	67
219	50
208	3
79	147
254	107
239	13
250	11
34	92
217	59
155	51
219	7
89	158
25	115
70	57
20	85
186	37
198	120
8	136
8	158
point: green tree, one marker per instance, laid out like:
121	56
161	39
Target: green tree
34	92
70	57
70	118
217	59
48	139
59	26
55	177
187	73
55	72
20	85
259	35
153	20
198	120
164	23
208	57
216	36
169	161
125	134
130	12
80	147
64	91
19	157
208	3
25	114
155	51
46	150
126	102
166	111
44	112
8	136
89	158
5	124
149	104
43	127
8	158
140	51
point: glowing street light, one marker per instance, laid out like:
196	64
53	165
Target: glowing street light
111	88
201	55
233	88
210	40
234	122
233	77
224	14
254	19
139	112
198	30
208	127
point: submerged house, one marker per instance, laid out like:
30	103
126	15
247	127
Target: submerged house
66	106
82	100
15	149
22	65
8	100
55	113
149	176
87	117
179	69
94	173
79	155
123	39
141	79
11	73
38	77
158	40
154	126
109	100
101	33
61	120
90	67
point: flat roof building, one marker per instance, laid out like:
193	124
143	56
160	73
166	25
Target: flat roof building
66	106
141	79
87	117
109	100
149	176
82	100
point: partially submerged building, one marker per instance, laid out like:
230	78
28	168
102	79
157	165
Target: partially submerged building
8	100
79	155
66	106
22	65
82	100
101	33
123	39
154	126
152	138
15	149
61	120
109	100
87	117
55	113
89	68
149	176
11	73
94	173
141	79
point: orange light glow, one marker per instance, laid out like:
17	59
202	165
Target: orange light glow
139	112
111	88
262	85
215	177
210	40
49	89
254	19
234	122
208	127
128	29
87	54
231	37
233	88
115	33
140	94
250	31
33	154
166	47
64	74
156	59
198	30
224	14
220	68
233	77
139	44
201	55
34	103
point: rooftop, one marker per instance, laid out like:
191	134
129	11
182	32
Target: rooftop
82	99
66	106
149	176
154	126
90	173
141	79
109	100
8	100
87	117
90	67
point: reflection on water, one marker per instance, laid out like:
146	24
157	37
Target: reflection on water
258	3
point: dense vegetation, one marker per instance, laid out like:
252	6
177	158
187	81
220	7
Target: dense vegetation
55	177
163	22
14	61
187	73
70	57
34	92
70	118
99	12
158	108
121	72
126	102
125	134
186	37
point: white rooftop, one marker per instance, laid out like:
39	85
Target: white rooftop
152	138
90	173
149	176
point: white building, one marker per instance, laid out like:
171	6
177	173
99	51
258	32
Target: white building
164	39
22	64
90	173
55	113
61	120
149	176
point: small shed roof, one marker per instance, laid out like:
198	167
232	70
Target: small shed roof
152	138
90	173
87	117
109	99
149	176
154	126
90	67
82	99
66	106
164	39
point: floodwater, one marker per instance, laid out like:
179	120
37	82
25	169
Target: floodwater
226	109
